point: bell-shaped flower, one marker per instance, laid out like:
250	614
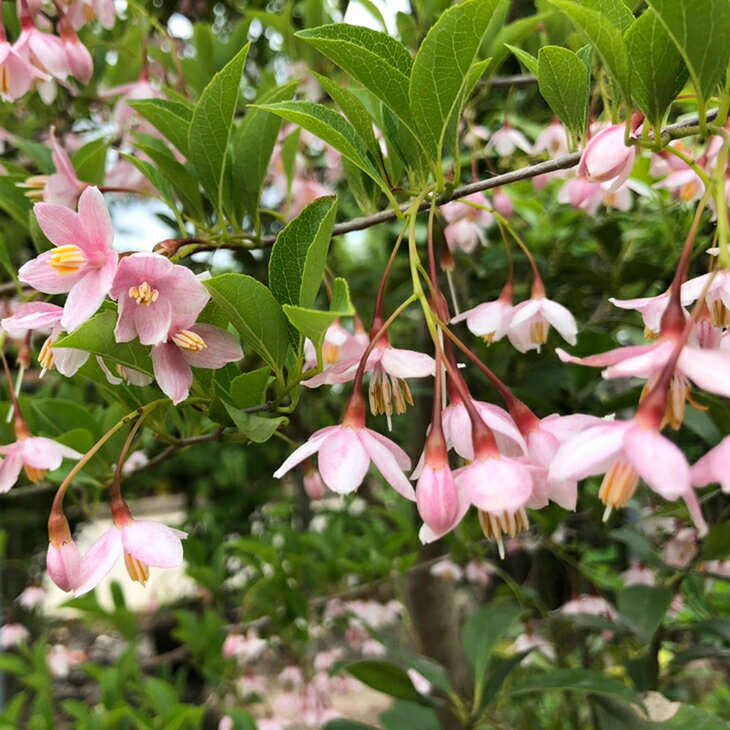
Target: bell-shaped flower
13	634
81	12
489	320
63	562
717	296
43	51
344	456
531	320
187	347
508	139
339	344
313	484
150	289
38	455
606	157
626	451
63	187
143	543
503	203
16	75
587	196
467	221
714	467
78	59
83	262
553	140
651	309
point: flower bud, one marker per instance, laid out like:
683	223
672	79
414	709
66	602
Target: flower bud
606	157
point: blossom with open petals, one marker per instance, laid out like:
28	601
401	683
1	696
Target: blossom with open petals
36	454
553	140
12	635
150	289
651	309
531	320
489	320
344	456
43	51
16	74
83	262
143	543
508	139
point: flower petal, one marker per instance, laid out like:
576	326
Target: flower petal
343	461
99	560
154	543
407	363
707	368
713	467
172	372
560	318
589	452
603	359
496	485
306	449
96	221
221	348
10	471
387	464
60	224
88	293
42	276
151	323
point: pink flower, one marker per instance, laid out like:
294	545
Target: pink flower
651	309
81	12
16	75
226	723
638	575
78	59
32	597
446	569
44	51
590	605
37	454
191	346
437	496
503	203
471	207
606	157
478	572
149	289
489	320
142	542
531	320
303	192
589	196
339	344
507	139
61	660
552	139
714	467
345	453
12	635
313	485
123	115
83	262
625	451
681	549
717	297
244	648
63	563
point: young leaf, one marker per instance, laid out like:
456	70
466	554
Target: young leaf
299	255
210	127
615	10
658	72
527	59
378	61
700	29
257	428
606	38
253	311
89	161
172	119
441	67
249	389
253	145
644	607
565	84
483	631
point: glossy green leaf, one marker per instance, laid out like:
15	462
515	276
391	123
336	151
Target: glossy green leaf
384	677
527	59
172	119
249	389
565	84
210	127
615	10
253	311
644	607
441	67
97	337
606	38
658	72
154	176
299	255
577	680
378	61
253	145
483	631
89	161
258	428
700	29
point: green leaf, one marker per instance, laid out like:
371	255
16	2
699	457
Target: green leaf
313	323
565	84
577	680
658	72
299	255
253	311
258	428
13	664
694	718
210	127
615	10
14	202
249	389
253	145
606	38
483	631
700	29
6	261
527	59
172	119
347	725
644	607
154	176
354	110
332	128
378	61
404	715
441	67
384	677
89	161
97	337
716	546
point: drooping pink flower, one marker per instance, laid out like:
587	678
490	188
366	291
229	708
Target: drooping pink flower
16	75
714	467
42	50
345	453
78	59
489	320
467	219
13	634
717	296
123	116
679	551
446	569
651	309
150	289
83	262
339	344
143	543
479	572
38	455
191	346
508	139
590	605
31	597
626	451
587	196
503	203
531	320
553	140
607	158
638	575
63	562
81	12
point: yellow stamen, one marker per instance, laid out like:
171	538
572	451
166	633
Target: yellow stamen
330	353
489	337
507	523
689	191
138	571
649	334
4	78
143	294
88	12
190	341
34	474
67	259
45	357
35	186
539	332
388	395
720	314
618	486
